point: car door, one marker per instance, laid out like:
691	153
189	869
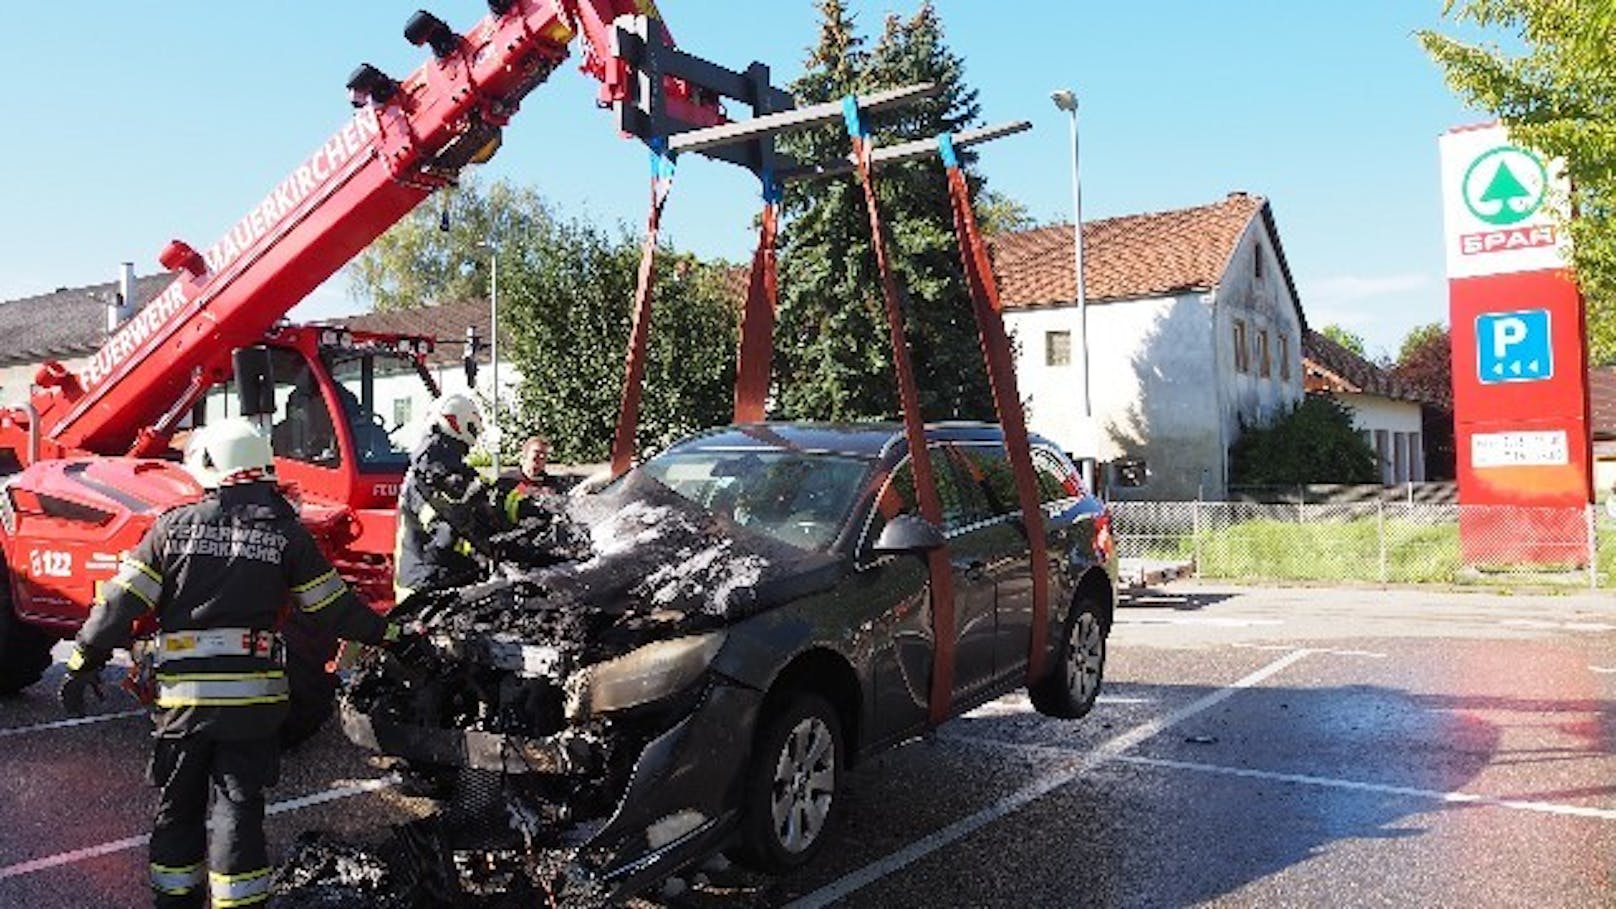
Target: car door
902	675
997	548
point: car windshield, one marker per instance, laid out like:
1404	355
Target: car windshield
802	499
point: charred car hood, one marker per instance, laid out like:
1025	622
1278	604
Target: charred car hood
650	564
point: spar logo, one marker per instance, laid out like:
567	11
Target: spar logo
1503	187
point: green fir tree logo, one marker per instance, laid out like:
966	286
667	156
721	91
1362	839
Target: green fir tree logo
1505	197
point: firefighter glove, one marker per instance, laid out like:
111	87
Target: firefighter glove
71	694
408	644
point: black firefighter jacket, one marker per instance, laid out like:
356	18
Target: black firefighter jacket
448	516
218	574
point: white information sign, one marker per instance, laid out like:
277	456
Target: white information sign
1499	204
1519	449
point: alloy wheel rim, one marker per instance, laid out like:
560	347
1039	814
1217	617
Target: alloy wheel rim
1085	655
804	785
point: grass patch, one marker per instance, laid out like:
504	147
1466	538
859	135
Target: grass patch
1414	553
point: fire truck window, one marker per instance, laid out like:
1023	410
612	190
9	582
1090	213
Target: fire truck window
370	385
302	428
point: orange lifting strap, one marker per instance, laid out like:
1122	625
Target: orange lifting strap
628	412
755	360
941	572
1006	398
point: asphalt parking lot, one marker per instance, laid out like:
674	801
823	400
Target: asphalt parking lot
1254	747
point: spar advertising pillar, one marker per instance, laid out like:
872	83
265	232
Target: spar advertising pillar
1520	396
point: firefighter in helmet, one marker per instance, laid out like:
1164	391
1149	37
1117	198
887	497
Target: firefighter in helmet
218	573
448	516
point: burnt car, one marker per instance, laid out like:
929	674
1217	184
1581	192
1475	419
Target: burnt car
751	618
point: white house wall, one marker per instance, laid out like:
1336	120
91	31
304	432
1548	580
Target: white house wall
1153	390
1394	429
1165	386
1264	305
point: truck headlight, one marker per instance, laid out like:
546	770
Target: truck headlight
642	676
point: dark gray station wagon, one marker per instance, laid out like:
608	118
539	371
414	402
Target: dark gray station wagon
754	620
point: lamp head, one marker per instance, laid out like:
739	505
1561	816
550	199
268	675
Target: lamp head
1065	99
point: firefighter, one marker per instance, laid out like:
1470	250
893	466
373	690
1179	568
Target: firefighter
534	464
218	573
448	516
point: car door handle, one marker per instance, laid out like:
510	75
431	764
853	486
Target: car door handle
974	570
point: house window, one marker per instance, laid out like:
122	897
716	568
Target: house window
1399	457
1242	356
1416	457
1264	365
1057	348
1285	357
403	409
1256	263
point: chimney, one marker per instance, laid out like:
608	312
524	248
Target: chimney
122	308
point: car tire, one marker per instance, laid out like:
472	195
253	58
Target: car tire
25	651
792	793
1069	691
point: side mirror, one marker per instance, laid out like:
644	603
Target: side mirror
908	534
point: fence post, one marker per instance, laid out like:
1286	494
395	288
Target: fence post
1195	533
1593	546
1380	534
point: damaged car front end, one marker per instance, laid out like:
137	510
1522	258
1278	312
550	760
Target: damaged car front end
586	693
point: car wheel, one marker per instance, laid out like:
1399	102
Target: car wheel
24	649
793	785
1070	690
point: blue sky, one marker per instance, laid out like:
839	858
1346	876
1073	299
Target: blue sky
129	124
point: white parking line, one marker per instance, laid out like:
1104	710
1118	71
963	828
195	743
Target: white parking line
134	842
1205	621
1035	790
1603	670
1464	798
68	724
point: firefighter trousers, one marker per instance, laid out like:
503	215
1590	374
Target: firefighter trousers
235	869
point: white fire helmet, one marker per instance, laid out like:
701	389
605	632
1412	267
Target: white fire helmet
229	452
458	417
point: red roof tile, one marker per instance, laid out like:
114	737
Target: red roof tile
1128	257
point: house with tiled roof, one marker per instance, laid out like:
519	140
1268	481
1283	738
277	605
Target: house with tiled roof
1388	414
1194	329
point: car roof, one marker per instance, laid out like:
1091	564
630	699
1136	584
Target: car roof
863	440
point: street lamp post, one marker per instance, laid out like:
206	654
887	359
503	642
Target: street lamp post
1065	99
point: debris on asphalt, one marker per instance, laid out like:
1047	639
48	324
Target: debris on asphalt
1201	739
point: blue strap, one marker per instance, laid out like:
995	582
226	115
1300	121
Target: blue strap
850	114
772	191
662	160
945	147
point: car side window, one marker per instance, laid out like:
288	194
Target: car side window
897	497
1056	480
987	467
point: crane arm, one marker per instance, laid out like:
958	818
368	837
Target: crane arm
406	139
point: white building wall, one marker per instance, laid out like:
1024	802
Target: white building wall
1394	429
1166	384
1260	300
1153	394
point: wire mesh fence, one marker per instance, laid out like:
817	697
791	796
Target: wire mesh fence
1387	542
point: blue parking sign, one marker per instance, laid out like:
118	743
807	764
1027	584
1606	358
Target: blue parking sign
1514	347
